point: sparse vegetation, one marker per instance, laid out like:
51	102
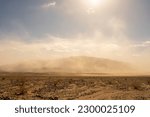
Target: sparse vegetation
14	86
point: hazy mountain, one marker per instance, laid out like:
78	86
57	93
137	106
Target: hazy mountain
79	64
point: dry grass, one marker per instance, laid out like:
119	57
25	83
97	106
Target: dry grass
14	86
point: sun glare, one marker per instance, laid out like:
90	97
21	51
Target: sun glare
94	3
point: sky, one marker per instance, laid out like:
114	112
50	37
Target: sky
116	29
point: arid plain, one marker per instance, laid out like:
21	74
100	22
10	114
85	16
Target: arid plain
35	86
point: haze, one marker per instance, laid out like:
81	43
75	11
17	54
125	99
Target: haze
45	29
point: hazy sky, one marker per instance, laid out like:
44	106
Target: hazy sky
70	17
118	29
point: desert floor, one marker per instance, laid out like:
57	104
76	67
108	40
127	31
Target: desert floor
33	86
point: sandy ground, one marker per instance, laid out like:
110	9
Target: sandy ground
28	86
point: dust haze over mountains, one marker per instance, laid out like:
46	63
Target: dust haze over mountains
43	36
82	54
78	64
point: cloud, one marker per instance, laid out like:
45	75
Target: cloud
50	4
95	43
14	49
50	46
142	44
147	43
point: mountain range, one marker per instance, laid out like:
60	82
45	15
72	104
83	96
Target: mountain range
76	64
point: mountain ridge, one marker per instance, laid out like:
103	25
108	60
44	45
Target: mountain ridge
73	64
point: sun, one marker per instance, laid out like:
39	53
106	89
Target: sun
94	3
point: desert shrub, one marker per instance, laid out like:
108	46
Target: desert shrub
140	86
54	98
145	86
141	98
5	98
3	78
